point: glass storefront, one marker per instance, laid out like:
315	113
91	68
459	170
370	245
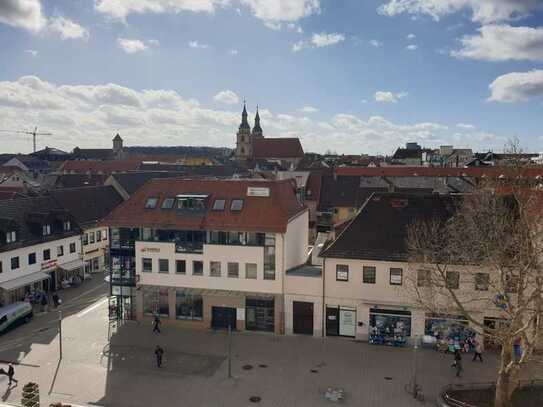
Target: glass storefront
389	327
155	301
448	332
260	315
188	306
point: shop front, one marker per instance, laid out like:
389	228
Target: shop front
448	332
260	314
70	274
29	287
340	321
389	326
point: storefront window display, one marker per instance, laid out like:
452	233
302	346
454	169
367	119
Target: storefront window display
448	333
389	327
155	301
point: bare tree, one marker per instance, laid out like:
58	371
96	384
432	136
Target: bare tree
486	260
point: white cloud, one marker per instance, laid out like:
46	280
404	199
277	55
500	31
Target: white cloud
483	11
277	11
233	52
325	40
501	43
376	43
298	46
131	46
388	97
466	126
120	9
89	115
32	52
295	27
412	47
227	97
411	37
25	14
196	44
517	86
67	29
308	109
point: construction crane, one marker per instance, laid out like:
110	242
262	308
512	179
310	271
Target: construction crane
33	133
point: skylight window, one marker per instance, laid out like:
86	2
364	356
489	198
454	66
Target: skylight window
151	203
168	203
236	205
218	205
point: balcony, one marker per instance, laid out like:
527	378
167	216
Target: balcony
189	247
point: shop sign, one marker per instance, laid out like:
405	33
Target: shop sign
258	191
150	250
240	314
49	264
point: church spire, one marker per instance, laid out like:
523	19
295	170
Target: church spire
257	130
244	123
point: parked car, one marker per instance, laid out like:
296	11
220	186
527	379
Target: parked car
14	314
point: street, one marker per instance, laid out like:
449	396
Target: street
280	371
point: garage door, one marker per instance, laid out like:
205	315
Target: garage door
221	317
302	318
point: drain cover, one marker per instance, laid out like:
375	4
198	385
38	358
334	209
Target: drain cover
314	371
247	367
254	399
388	378
263	366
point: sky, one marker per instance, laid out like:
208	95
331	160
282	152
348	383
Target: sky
349	76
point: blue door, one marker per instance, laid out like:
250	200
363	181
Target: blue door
221	317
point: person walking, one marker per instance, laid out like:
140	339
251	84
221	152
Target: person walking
11	373
478	352
158	354
156	325
458	363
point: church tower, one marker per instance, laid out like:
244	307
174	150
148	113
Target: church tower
243	141
257	130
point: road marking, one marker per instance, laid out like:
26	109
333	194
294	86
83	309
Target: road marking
91	308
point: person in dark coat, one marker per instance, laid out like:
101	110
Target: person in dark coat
158	354
156	325
11	373
458	363
56	300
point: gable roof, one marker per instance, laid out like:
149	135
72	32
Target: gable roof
93	153
105	167
259	214
77	180
88	205
277	148
379	230
132	181
528	171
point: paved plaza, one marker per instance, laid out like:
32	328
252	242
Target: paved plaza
282	371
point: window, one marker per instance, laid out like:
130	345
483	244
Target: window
236	205
14	263
46	230
396	275
60	251
11	237
1	267
452	279
66	225
218	205
180	267
188	306
147	265
104	234
482	281
85	239
342	272
31	258
151	203
163	266
191	203
168	203
91	237
47	254
99	236
250	271
215	268
233	270
197	268
72	247
424	278
368	275
269	256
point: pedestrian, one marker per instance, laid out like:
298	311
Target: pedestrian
56	300
11	373
458	363
517	348
44	303
156	324
478	352
158	354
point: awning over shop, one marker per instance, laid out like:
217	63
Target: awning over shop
24	280
72	265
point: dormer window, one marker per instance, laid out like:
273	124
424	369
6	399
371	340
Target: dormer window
168	203
11	237
191	202
46	230
151	203
218	205
236	205
66	225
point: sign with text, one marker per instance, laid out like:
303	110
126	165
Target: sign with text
258	191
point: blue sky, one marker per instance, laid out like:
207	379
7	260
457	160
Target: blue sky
344	75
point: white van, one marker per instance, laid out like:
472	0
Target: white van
14	314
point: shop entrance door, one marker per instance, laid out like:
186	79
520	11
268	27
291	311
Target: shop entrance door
332	321
347	322
222	317
302	318
260	314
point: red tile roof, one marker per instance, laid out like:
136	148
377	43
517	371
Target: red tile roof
277	148
104	167
259	214
477	172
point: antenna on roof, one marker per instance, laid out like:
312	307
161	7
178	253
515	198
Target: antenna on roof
33	133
